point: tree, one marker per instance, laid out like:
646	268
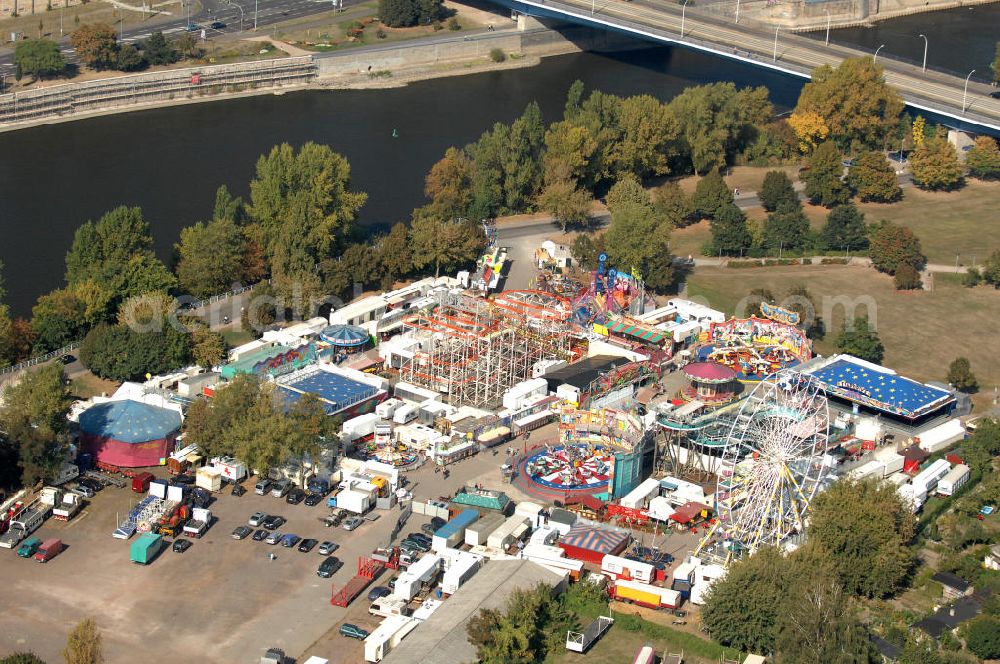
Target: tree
443	243
57	319
117	352
845	228
158	50
449	184
209	421
210	257
311	427
33	418
935	165
648	134
991	270
586	248
672	205
742	608
39	58
129	58
823	177
569	149
715	121
983	160
982	636
819	625
187	45
627	190
22	658
800	300
787	227
891	246
508	160
84	645
394	255
854	101
995	65
906	277
776	188
917	650
865	527
730	234
873	178
960	375
208	348
810	128
857	338
96	45
637	242
407	13
710	195
972	277
524	632
566	202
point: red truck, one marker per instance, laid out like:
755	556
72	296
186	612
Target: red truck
140	482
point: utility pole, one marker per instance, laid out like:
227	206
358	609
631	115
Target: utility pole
774	56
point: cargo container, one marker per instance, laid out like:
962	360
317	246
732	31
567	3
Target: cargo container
463	567
644	594
358	428
477	533
452	533
954	480
48	550
232	469
357	502
140	482
928	478
387	408
209	478
145	549
506	534
409	583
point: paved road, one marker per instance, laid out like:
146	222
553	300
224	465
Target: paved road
663	20
268	13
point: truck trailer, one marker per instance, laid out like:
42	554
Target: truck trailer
25	522
145	549
644	594
67	507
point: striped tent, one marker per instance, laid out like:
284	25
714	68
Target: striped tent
629	327
589	543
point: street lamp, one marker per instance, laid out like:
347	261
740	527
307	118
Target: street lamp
240	7
684	7
827	26
737	11
774	56
876	52
965	94
924	68
255	3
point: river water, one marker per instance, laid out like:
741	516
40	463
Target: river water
170	161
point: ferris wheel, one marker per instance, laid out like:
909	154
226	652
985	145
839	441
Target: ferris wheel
772	464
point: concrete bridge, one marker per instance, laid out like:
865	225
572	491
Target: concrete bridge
957	102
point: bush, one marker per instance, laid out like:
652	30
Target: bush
833	261
971	278
497	55
453	24
906	277
380	33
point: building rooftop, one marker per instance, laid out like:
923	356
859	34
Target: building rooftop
583	373
442	638
129	421
952	581
593	538
484	498
336	391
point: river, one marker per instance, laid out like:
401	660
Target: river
170	161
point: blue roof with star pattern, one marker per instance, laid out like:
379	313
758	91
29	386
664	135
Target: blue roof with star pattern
129	421
880	388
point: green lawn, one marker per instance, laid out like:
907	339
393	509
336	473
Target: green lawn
922	331
236	337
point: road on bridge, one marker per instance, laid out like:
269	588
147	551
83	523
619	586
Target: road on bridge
665	21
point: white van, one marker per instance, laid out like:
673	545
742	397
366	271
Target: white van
262	487
280	488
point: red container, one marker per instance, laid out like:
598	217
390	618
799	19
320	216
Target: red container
140	483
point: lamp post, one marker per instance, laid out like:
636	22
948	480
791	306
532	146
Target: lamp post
684	7
965	93
774	56
924	68
827	26
240	7
874	59
737	11
255	3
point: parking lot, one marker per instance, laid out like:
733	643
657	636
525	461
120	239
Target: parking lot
223	600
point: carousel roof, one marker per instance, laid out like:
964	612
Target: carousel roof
347	336
709	372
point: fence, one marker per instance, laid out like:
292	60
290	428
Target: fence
123	91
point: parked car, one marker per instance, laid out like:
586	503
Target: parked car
257	519
407	558
217	25
295	496
262	487
192	27
418	545
328	547
437	522
280	488
29	546
353	632
429	529
410	548
84	490
91	484
274	538
290	540
273	522
328	568
183	479
377	592
351	523
306	545
259	535
313	499
182	545
239	490
419	537
242	532
67	359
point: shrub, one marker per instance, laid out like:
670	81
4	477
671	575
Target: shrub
453	24
906	277
497	55
380	33
971	278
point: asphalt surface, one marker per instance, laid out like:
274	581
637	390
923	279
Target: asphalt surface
268	12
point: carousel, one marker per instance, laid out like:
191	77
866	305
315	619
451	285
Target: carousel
711	383
391	453
571	467
345	339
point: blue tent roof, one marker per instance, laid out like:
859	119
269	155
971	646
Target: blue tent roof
345	335
129	421
880	388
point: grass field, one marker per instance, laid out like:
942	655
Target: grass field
922	331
